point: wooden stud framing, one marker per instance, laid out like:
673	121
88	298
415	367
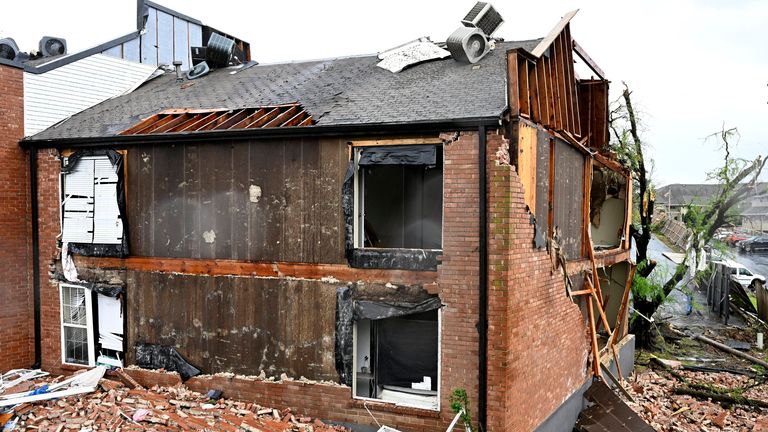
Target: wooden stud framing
593	334
535	92
513	87
525	99
397	141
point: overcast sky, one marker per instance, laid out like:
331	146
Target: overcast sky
693	65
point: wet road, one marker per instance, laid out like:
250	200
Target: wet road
680	309
757	262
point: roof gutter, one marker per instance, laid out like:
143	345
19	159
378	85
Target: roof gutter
368	129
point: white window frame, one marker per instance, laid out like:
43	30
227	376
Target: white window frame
359	210
439	369
88	326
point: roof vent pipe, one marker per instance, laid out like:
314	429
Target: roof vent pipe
177	65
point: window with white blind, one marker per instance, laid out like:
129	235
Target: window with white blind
77	341
90	206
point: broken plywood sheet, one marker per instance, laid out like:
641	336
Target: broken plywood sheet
526	163
411	53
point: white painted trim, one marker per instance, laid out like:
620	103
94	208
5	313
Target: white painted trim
88	325
439	369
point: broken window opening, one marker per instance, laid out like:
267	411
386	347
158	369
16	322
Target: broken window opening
82	321
93	203
397	360
613	282
399	197
77	345
607	210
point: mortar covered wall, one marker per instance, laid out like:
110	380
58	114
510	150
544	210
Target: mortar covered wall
275	200
237	324
16	329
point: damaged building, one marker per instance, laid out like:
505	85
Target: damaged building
353	237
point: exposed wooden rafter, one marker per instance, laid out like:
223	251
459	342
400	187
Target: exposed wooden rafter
199	120
553	34
588	60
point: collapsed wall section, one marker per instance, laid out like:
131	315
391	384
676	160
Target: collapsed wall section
545	332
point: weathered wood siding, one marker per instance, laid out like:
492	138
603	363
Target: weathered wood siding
542	181
260	200
569	195
236	324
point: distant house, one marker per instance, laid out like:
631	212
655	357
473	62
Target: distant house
674	198
347	241
754	216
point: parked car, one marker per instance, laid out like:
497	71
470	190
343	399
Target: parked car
756	244
734	238
744	276
740	244
721	235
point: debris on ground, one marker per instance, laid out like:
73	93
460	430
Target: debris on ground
115	406
659	405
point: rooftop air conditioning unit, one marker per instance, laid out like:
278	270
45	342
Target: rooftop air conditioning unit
52	46
468	44
485	17
8	49
199	70
219	50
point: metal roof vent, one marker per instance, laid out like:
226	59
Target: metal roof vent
52	46
468	44
219	50
485	17
8	49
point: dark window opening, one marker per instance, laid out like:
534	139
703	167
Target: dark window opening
397	359
401	200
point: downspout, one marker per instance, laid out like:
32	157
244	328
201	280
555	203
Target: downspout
35	254
482	325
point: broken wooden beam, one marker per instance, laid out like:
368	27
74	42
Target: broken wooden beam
730	350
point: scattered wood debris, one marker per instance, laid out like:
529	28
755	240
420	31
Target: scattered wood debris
657	401
117	407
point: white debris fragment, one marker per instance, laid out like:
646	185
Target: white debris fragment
254	193
209	236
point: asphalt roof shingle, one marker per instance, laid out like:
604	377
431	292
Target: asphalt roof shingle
337	91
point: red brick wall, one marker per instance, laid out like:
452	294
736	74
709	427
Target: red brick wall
458	277
48	169
16	329
539	345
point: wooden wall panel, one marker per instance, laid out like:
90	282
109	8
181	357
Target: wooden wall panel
542	180
569	196
239	325
258	200
526	162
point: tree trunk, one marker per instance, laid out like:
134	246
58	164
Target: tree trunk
644	331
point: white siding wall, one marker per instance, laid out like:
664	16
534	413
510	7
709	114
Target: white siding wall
55	95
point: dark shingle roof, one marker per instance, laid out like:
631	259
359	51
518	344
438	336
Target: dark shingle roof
684	194
756	211
336	92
